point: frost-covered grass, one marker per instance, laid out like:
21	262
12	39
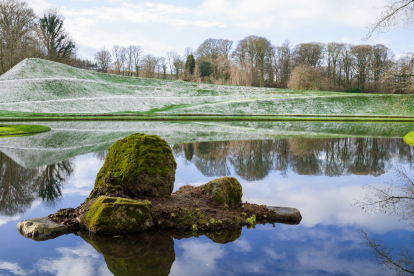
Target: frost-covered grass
36	87
72	138
17	130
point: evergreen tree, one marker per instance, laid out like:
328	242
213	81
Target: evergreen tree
205	68
190	64
57	44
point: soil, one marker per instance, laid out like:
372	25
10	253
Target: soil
187	209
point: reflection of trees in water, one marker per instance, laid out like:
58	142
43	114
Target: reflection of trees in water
51	179
253	160
19	186
100	155
396	199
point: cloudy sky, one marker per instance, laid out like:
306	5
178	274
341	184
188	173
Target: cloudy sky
160	26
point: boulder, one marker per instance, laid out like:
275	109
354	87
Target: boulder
138	165
41	228
224	190
114	215
285	214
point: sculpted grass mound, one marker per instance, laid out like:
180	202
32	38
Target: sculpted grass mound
409	138
20	130
138	165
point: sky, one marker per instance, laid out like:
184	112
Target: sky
161	26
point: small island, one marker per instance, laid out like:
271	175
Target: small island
133	193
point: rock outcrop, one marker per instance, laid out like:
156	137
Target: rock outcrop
112	216
138	165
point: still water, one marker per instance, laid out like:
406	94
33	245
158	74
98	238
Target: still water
323	178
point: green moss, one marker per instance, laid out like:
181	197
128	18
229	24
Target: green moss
224	190
252	220
110	216
137	154
20	130
409	138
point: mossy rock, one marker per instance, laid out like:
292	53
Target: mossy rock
409	138
138	165
113	216
224	190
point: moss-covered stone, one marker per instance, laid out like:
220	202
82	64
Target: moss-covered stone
112	216
409	138
225	190
138	165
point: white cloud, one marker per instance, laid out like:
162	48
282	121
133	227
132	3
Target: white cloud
14	268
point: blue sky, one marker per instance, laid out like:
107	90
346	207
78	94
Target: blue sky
161	26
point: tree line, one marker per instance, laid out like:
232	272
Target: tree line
252	61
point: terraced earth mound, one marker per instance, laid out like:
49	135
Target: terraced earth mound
37	86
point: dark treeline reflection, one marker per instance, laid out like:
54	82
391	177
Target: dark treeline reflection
254	160
20	186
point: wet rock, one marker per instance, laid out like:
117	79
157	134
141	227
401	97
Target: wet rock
285	214
224	190
113	216
41	228
138	165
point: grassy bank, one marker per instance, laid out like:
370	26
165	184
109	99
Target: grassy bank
20	130
409	138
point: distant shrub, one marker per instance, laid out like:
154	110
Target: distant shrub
353	90
205	68
308	78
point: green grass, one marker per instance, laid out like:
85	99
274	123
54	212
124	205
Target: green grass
409	138
19	130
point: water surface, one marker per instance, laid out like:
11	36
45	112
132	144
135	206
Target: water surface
322	177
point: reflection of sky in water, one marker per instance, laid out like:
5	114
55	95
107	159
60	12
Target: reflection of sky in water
326	241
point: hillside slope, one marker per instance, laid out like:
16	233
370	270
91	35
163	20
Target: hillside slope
40	86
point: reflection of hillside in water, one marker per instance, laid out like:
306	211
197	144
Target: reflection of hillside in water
254	160
20	186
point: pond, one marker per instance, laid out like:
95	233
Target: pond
324	175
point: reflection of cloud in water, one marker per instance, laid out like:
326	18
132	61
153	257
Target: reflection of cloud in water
321	200
242	245
4	219
87	166
13	268
274	255
198	258
81	260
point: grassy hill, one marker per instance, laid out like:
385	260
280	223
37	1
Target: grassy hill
37	86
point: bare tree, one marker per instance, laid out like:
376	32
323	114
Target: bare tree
17	22
149	64
137	53
171	56
103	58
400	12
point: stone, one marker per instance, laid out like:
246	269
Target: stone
138	165
41	228
285	214
115	215
224	190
